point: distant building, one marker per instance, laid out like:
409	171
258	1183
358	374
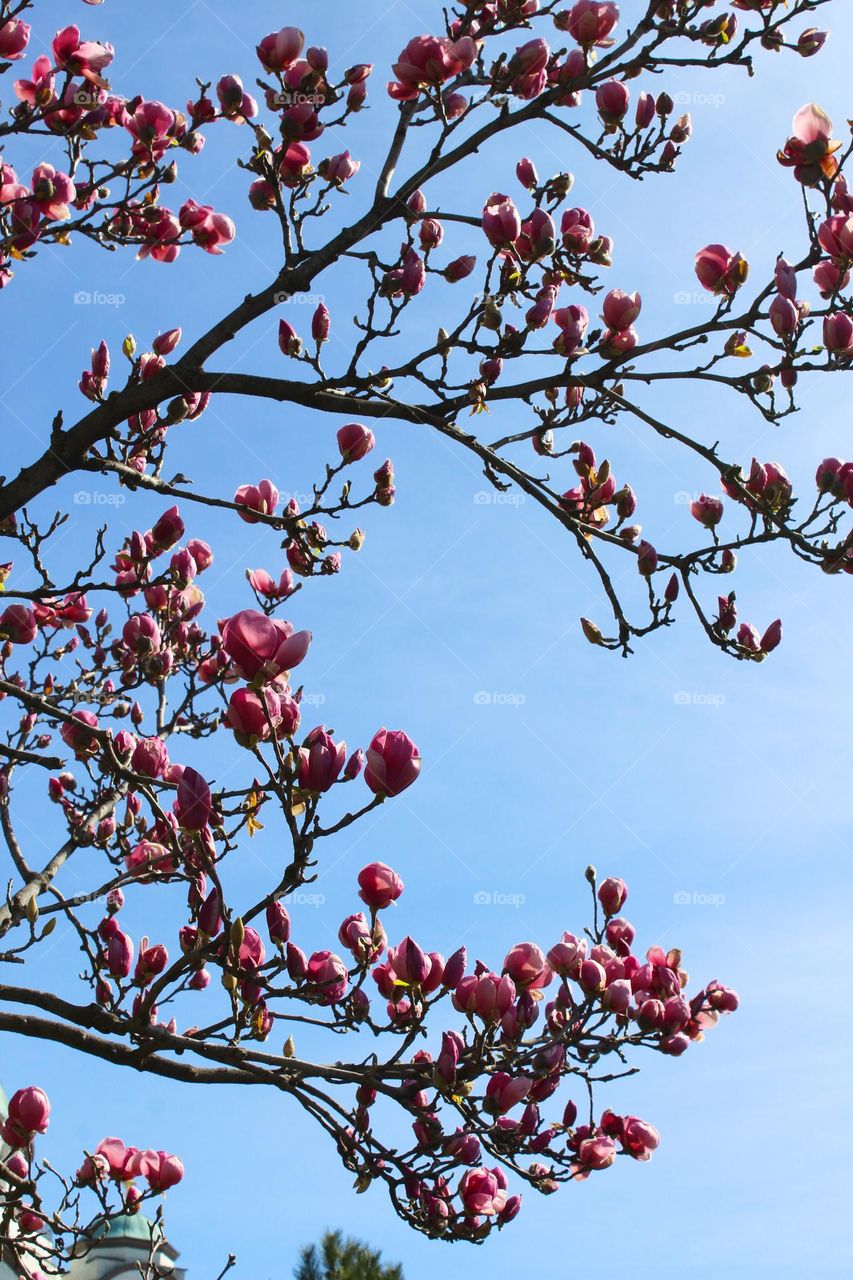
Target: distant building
117	1250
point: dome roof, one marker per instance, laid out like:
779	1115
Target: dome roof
130	1226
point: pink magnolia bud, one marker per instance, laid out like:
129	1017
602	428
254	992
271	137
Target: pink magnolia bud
277	51
459	268
320	760
621	309
119	954
393	762
503	1093
288	339
168	530
321	324
430	233
772	637
612	100
454	970
379	886
409	962
151	962
354	765
501	221
339	169
708	511
355	441
612	894
278	923
592	977
193	804
29	1110
526	173
784	316
164	344
262	498
647	559
838	334
210	914
645	112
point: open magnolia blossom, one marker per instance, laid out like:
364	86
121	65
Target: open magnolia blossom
468	1080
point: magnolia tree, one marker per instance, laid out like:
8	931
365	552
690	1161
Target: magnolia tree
468	1080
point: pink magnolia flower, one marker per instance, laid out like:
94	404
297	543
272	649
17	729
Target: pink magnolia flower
74	733
159	1169
638	1138
262	498
355	441
280	49
810	151
596	1153
719	270
14	38
37	92
261	648
150	757
525	964
208	228
339	169
81	57
430	60
193	802
379	886
393	762
18	624
590	22
483	1191
577	229
328	975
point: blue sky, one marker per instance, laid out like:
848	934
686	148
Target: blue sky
690	775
